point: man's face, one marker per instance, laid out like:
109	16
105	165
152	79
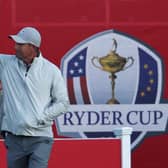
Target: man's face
24	51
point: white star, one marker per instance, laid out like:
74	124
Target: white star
80	70
76	64
81	57
71	71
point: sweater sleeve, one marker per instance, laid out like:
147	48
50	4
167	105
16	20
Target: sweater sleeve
1	111
60	101
4	58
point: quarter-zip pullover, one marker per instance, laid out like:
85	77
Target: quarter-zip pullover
32	97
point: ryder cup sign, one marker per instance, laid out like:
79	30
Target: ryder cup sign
113	81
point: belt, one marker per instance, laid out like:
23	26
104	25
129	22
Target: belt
5	134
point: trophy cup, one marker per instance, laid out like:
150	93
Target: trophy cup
112	63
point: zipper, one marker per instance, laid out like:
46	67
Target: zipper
27	69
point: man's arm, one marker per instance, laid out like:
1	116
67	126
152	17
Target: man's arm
1	111
60	100
4	59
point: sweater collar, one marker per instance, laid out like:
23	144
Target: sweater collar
35	60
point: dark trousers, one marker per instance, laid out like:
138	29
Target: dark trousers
28	152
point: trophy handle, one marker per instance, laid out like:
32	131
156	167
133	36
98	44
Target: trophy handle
93	62
131	63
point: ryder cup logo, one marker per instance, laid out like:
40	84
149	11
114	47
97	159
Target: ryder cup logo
113	81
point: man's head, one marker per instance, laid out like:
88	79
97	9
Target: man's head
27	43
27	35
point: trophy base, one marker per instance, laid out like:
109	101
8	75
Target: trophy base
113	101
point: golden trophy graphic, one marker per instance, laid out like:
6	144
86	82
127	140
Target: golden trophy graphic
112	63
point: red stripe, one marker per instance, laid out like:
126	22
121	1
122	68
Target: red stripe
71	91
84	90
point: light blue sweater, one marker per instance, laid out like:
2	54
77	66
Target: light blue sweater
31	98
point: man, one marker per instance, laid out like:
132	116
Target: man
34	93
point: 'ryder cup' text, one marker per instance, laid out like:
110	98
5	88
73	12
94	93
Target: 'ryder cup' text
147	117
112	118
